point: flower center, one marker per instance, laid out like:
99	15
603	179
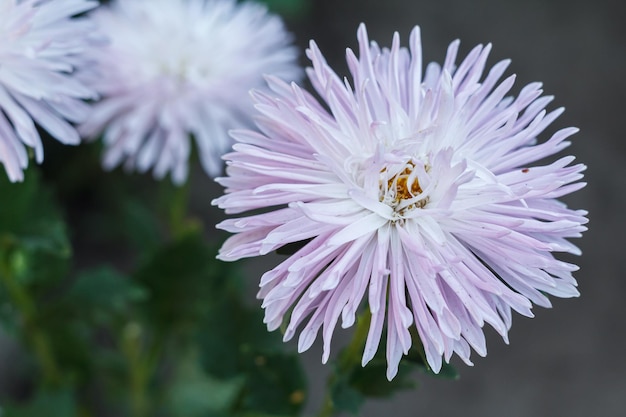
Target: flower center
404	186
401	189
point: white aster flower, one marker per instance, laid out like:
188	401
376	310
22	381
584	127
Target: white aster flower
41	53
419	193
176	68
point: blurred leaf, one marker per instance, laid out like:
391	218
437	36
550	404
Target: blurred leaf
350	384
193	393
38	270
181	279
448	371
110	373
224	345
30	281
345	397
34	247
71	346
51	238
371	380
103	290
275	384
235	342
59	403
417	357
85	316
29	218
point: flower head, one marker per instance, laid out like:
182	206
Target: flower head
176	68
416	192
41	54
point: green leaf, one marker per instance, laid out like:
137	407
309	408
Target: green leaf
345	397
223	346
45	403
371	380
37	270
181	279
104	291
196	394
275	384
350	383
447	372
235	342
28	280
417	357
29	218
51	238
70	345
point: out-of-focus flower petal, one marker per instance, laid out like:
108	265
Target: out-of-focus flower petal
176	69
42	69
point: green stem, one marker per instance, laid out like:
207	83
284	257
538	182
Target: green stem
34	334
142	364
349	357
177	209
328	408
137	373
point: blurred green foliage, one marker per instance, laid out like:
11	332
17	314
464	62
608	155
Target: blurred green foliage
168	335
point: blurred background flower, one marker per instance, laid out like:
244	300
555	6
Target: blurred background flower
176	69
41	57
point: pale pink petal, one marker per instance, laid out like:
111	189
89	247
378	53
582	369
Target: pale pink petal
424	198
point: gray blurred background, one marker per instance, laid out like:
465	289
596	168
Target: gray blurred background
569	360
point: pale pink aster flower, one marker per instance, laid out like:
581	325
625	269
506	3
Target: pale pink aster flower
416	191
176	68
41	52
